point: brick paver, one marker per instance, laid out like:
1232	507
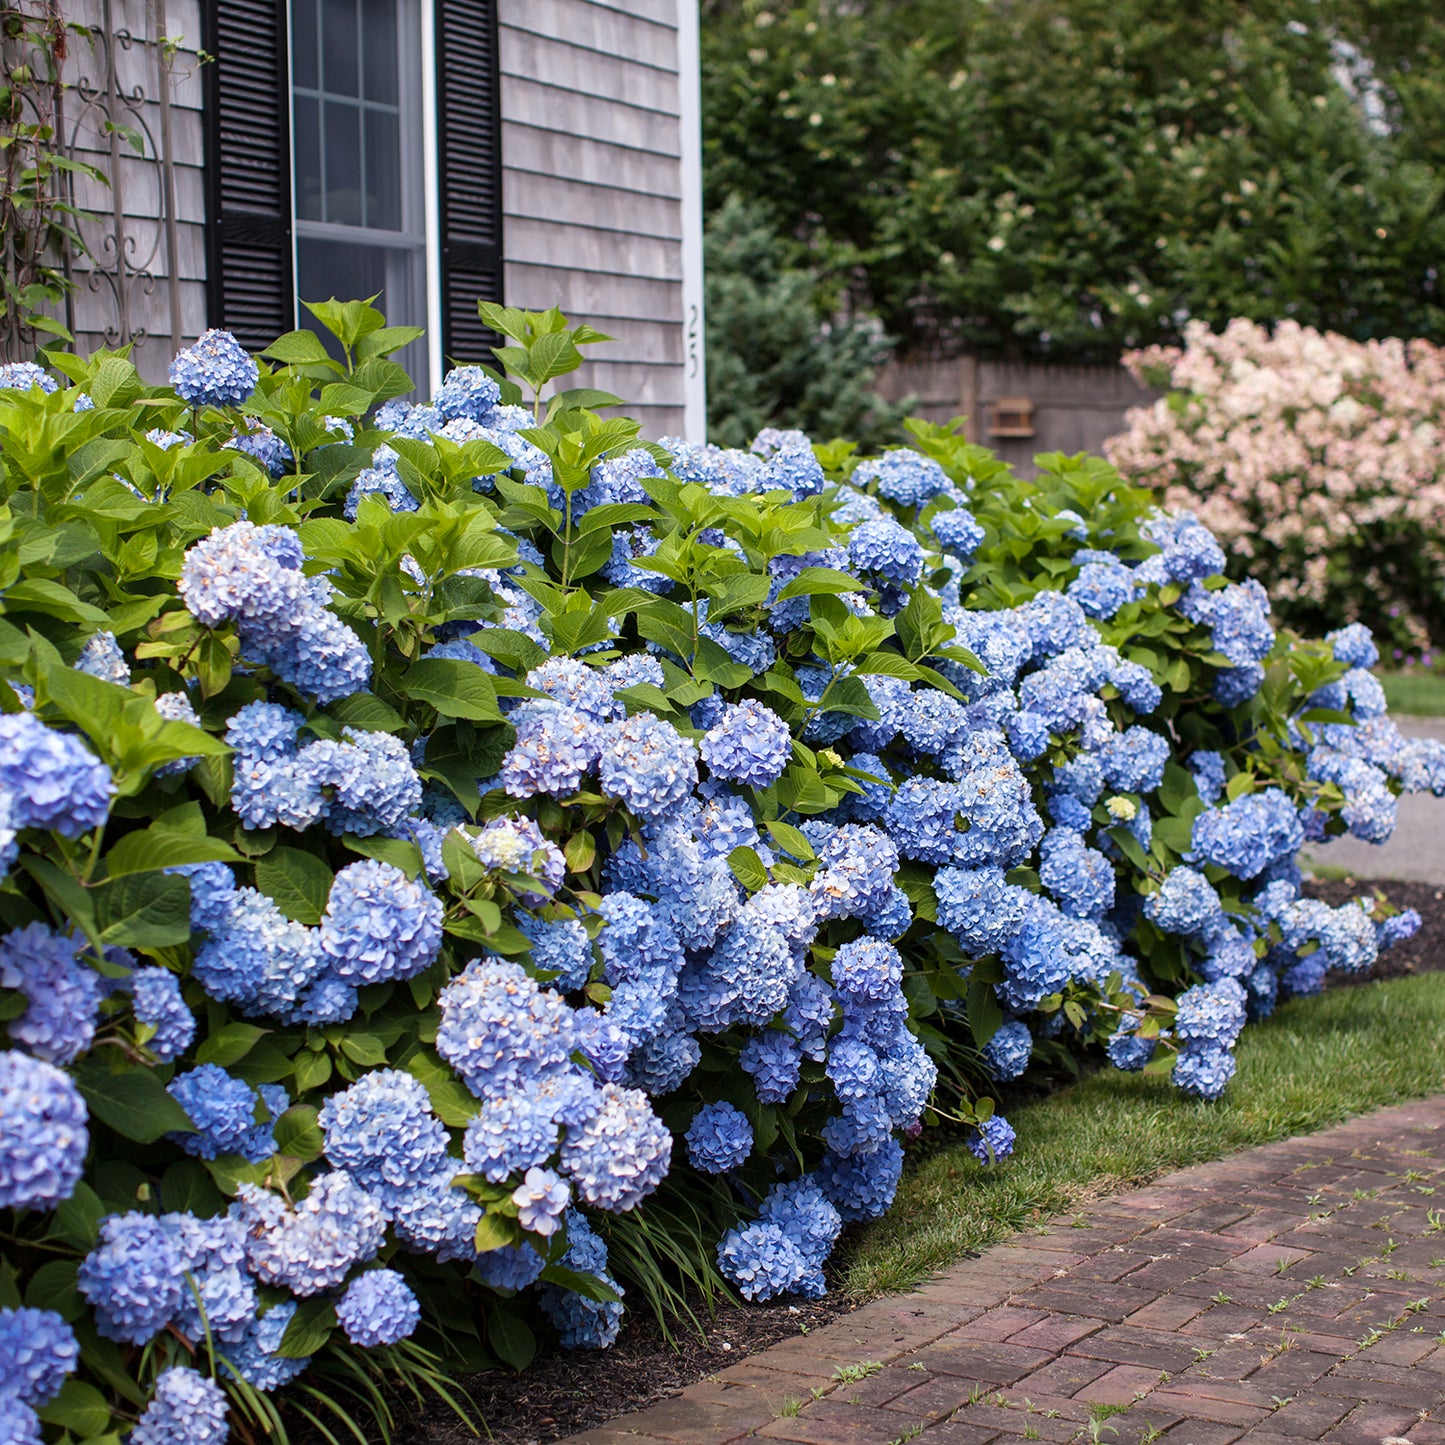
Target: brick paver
1293	1293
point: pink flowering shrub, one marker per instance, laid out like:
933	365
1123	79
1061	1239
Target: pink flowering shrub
1316	460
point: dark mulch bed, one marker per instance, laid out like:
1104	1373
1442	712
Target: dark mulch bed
1425	953
562	1393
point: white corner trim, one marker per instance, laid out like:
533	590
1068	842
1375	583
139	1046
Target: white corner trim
431	192
689	77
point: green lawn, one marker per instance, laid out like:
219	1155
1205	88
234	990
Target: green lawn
1419	692
1316	1062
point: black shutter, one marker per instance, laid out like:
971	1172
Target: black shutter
470	126
248	170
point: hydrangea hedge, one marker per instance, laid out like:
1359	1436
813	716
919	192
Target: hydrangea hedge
462	861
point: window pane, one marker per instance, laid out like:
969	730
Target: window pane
304	20
379	50
383	170
345	271
343	163
310	201
341	68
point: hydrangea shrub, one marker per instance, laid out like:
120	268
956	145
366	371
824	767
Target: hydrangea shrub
462	862
1316	461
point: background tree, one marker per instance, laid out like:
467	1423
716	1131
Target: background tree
1067	178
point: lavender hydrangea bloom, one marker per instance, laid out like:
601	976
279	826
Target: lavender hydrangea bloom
44	1138
1246	836
63	995
310	1247
584	1323
379	924
719	1139
1007	1053
132	1278
382	1131
378	1308
215	371
253	1357
223	1110
749	744
648	764
26	376
159	1005
993	1139
52	778
541	1199
620	1155
185	1406
761	1260
37	1351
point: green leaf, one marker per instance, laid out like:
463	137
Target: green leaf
454	688
451	1101
187	1188
132	1101
310	1328
748	868
229	1044
366	712
364	1049
143	910
495	1231
77	1219
298	882
79	1408
791	840
812	581
299	1135
587	1285
985	1017
52	1287
299	348
510	1337
158	846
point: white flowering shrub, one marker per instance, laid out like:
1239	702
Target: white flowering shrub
461	862
1317	462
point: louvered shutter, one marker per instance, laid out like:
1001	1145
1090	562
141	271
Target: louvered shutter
470	125
248	163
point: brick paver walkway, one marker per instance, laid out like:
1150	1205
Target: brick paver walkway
1294	1292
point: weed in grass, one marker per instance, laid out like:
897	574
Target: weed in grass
1415	1176
1282	1265
1280	1401
1097	1429
790	1407
1316	1062
1396	1274
851	1374
1149	1435
912	1433
1201	1353
1079	1221
1365	1194
918	1365
1318	1282
1278	1305
1221	1298
1437	1261
1415	1306
1315	1200
1031	1432
1101	1411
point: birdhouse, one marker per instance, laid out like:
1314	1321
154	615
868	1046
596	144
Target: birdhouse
1011	416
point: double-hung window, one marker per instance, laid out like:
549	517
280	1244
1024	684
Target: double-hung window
359	176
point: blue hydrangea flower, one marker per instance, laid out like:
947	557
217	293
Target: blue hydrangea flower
559	946
19	1424
582	1323
382	1131
572	684
37	1351
648	764
867	968
510	1134
132	1278
541	1199
761	1260
993	1139
1246	836
807	1216
253	1357
1007	1053
958	532
215	371
775	1062
379	925
1203	1072
223	1110
749	744
1211	1013
1186	903
1134	760
261	444
513	1267
25	376
101	657
212	1254
257	958
555	748
53	779
500	1032
467	391
979	907
1129	1051
159	1005
63	995
184	1406
887	549
1189	549
378	1308
383	482
311	1247
43	1142
862	1186
719	1138
1079	878
1104	584
1354	645
620	1155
